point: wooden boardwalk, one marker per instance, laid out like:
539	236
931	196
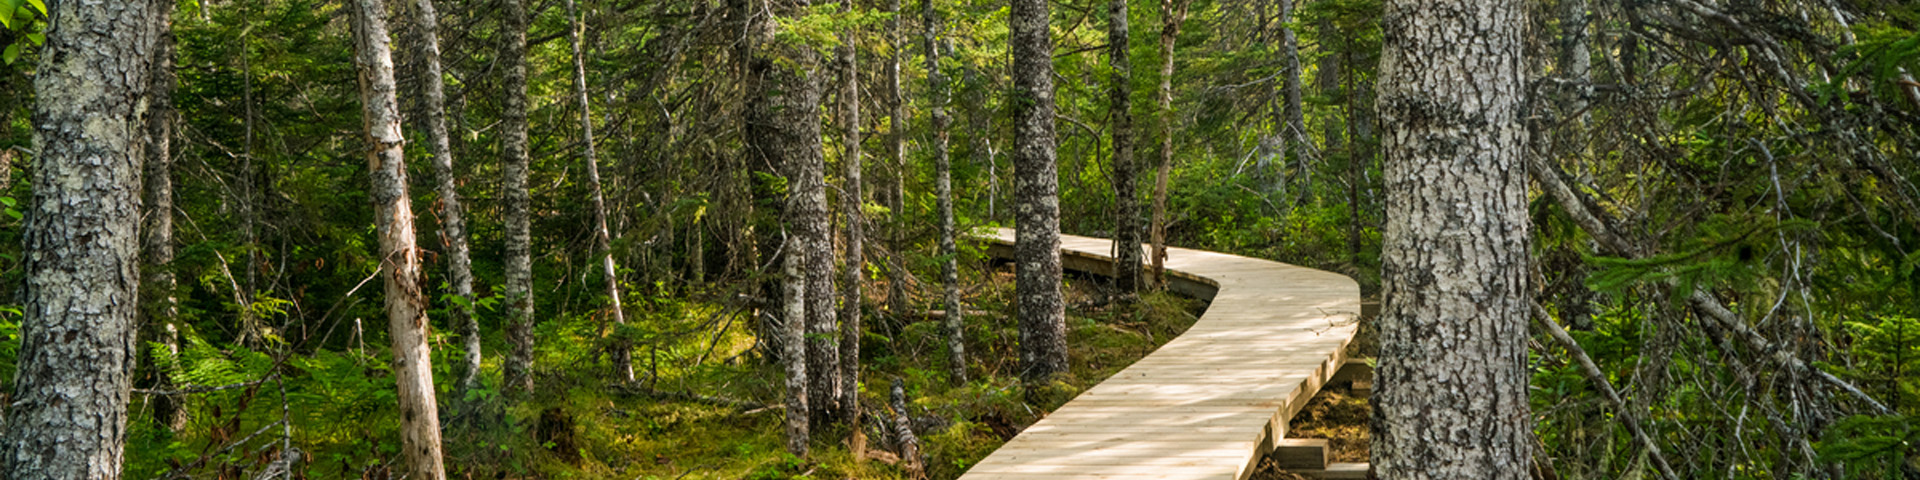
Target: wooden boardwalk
1209	404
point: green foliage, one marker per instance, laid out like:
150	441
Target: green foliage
1871	446
1886	349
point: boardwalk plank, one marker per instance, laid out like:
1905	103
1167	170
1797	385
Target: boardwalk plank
1203	406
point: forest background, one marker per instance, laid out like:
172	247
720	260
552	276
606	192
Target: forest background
1725	219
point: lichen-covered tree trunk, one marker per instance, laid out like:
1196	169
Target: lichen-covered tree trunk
1451	401
1041	311
406	305
814	224
68	414
453	224
518	371
851	201
783	124
1126	199
943	196
794	358
1173	13
159	303
621	351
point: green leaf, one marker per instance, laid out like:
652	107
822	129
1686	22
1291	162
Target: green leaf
38	39
8	10
12	53
39	6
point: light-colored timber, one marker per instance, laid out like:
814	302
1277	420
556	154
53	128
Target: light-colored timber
1209	404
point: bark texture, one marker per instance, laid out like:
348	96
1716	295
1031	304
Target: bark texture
1452	401
453	224
908	444
894	187
1173	12
794	331
160	305
783	127
406	305
518	372
943	196
621	351
68	414
1042	312
1127	273
851	202
1293	127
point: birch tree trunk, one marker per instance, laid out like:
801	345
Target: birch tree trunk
400	258
954	321
1042	312
1173	12
622	351
1126	200
453	224
68	414
851	202
160	305
1451	401
518	372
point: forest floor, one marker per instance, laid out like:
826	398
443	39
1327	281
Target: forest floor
710	418
706	405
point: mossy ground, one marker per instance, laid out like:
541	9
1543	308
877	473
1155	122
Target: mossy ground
629	433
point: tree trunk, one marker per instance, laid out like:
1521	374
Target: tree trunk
161	306
1327	80
943	195
814	221
979	141
1579	59
1174	12
851	202
68	413
1126	201
250	328
1293	129
453	224
894	190
1452	396
400	258
794	331
518	372
1359	158
622	351
1042	313
784	123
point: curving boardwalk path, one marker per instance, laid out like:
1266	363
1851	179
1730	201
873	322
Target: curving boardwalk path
1209	404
